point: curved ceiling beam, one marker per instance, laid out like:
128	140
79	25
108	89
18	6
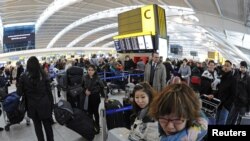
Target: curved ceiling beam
81	37
96	16
101	39
108	44
53	8
227	45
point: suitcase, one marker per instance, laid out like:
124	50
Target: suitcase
63	112
118	134
245	120
128	113
82	124
113	119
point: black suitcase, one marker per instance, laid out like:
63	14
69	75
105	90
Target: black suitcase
127	113
82	124
63	112
114	119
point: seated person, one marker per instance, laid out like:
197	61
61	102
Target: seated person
142	98
178	111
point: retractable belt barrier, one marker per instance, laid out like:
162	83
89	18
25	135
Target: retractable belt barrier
112	111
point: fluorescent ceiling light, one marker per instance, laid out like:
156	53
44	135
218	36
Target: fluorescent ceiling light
19	24
96	16
55	6
91	44
81	37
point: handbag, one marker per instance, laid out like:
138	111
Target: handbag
22	105
75	90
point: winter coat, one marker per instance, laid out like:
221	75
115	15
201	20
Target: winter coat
39	98
227	90
242	98
207	79
159	80
95	86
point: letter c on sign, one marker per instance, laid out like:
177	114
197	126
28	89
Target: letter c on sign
147	15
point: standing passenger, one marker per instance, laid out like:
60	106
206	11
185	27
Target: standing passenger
155	73
34	85
93	87
241	103
226	94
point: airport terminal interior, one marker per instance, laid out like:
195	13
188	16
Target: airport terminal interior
119	37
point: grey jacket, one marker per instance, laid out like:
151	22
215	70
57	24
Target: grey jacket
159	81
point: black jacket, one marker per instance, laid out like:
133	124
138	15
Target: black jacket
227	90
95	86
39	98
242	98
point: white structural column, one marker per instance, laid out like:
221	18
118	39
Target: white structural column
81	37
101	39
96	16
55	6
1	33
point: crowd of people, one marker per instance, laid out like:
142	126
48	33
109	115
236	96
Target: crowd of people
169	95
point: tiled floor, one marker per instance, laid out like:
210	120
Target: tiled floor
22	132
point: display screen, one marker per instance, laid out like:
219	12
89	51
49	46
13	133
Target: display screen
176	49
128	44
163	47
148	42
193	53
141	42
135	44
19	38
117	45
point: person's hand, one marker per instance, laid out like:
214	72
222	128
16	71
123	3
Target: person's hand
87	92
210	96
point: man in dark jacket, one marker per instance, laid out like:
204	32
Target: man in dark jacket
129	63
241	103
226	93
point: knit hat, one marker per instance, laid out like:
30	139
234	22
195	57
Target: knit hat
243	64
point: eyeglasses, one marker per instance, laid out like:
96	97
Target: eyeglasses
174	121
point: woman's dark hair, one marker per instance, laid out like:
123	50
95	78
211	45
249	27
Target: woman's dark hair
178	99
94	68
34	68
145	87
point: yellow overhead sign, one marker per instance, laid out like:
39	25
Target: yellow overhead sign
148	19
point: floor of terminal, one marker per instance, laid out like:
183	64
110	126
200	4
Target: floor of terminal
22	132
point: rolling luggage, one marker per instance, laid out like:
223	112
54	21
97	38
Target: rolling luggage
82	124
113	119
10	106
245	120
63	112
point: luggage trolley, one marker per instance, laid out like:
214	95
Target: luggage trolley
210	106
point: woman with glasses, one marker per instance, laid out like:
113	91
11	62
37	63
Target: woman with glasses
142	98
93	86
178	111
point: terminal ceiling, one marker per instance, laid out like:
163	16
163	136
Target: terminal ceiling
221	25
